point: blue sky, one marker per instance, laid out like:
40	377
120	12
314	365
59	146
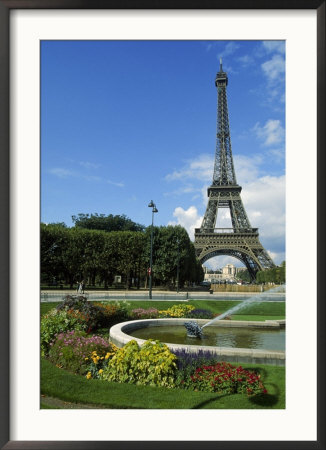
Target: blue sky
124	122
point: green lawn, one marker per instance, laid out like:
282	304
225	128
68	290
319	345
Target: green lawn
68	387
259	311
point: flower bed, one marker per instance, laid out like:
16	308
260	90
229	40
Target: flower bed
67	342
141	313
225	378
73	350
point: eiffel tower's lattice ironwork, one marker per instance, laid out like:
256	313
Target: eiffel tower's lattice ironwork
240	241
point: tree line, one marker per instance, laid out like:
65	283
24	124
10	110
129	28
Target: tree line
275	275
69	255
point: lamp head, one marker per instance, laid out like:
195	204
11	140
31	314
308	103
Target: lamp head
151	204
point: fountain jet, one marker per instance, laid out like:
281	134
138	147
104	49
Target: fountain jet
195	330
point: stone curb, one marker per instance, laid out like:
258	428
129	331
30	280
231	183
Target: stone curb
119	336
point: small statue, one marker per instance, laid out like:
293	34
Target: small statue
193	329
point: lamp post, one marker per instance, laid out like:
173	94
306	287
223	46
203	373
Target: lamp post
178	265
154	210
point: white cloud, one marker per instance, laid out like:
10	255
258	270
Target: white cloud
89	165
221	261
274	46
66	173
229	49
274	68
271	133
187	218
199	168
246	60
62	173
115	183
188	189
277	154
264	201
246	169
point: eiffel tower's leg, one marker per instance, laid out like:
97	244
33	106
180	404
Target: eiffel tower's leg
238	214
264	258
210	217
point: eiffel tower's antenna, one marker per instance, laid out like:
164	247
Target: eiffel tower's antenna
240	241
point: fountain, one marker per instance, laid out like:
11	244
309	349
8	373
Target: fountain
260	342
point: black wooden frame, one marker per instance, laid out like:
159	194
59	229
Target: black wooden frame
5	7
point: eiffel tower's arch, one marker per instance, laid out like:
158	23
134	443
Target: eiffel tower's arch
250	261
241	241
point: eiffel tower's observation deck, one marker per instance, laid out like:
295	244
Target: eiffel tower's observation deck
241	241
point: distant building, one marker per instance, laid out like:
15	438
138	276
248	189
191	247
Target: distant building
229	273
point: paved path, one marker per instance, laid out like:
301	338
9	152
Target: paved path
56	296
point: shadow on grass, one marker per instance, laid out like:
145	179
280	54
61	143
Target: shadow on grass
267	400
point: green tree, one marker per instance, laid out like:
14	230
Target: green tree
53	241
130	253
273	275
172	247
106	223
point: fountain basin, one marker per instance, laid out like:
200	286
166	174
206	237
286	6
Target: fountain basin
120	335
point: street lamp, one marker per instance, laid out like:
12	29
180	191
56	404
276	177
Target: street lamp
154	210
178	264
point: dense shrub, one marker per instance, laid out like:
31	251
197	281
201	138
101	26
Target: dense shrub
151	364
201	314
177	311
74	350
188	362
140	313
112	310
79	307
56	322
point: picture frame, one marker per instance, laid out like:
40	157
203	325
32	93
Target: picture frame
6	6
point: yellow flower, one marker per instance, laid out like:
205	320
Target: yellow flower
89	375
86	359
100	371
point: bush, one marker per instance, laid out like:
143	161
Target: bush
151	364
177	311
74	351
97	363
56	322
201	314
111	311
224	378
140	313
79	307
188	362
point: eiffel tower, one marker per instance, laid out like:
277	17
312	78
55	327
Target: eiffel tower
241	241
